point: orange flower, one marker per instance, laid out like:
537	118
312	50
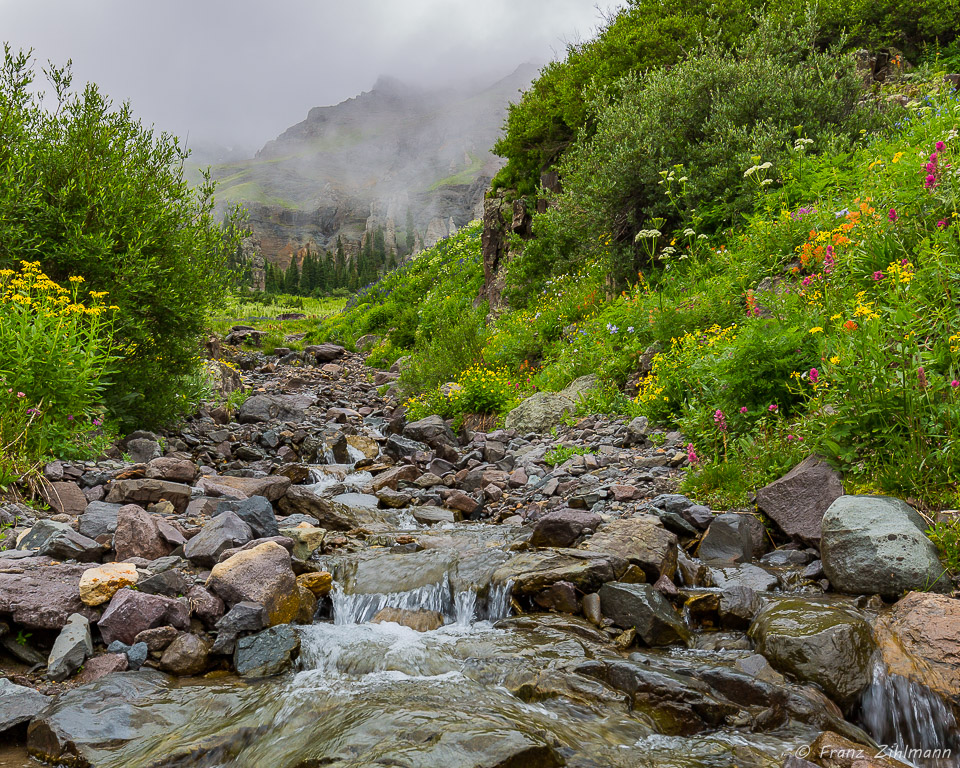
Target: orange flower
850	325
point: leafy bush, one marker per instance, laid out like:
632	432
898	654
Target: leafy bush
86	190
561	453
477	390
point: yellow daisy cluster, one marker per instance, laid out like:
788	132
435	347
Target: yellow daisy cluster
31	289
865	308
901	272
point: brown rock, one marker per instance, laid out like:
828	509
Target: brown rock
149	491
174	470
137	535
392	477
204	605
130	612
101	666
640	540
560	597
831	750
65	497
41	594
271	488
460	501
185	656
563	527
157	639
261	575
421	621
796	502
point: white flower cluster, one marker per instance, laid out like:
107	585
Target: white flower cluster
754	168
647	234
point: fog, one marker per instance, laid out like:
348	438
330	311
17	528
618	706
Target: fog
238	72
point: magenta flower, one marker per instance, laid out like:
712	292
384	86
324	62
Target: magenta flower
720	420
692	454
892	215
878	275
70	417
772	408
955	383
942	224
932	167
814	375
828	260
743	409
807	280
940	146
931	181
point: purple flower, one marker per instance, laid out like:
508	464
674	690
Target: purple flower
931	181
743	409
942	224
720	420
70	417
892	215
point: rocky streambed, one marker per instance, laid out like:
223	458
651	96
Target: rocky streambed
313	581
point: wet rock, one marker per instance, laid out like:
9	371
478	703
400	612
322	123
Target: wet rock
174	470
746	575
798	500
640	540
101	666
591	608
261	575
149	491
421	621
19	704
394	499
99	519
391	478
156	639
137	535
757	666
817	643
60	541
307	539
738	607
781	558
831	750
130	612
271	488
40	594
642	607
330	514
385	574
678	704
97	585
65	497
320	582
221	533
267	653
366	445
733	538
186	655
877	545
532	572
398	447
918	640
563	527
71	648
560	597
256	511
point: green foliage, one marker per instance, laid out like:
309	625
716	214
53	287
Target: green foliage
605	398
945	534
477	390
86	190
561	453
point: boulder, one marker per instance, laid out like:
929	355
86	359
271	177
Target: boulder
71	648
877	545
256	511
169	583
186	655
260	575
137	535
99	519
540	412
797	501
306	538
60	541
432	515
831	750
267	653
319	582
531	572
918	640
260	408
242	618
391	478
142	450
19	704
640	606
149	491
324	353
432	430
563	527
64	496
97	585
399	447
174	470
817	643
421	621
330	514
271	488
640	540
733	538
131	612
41	594
221	533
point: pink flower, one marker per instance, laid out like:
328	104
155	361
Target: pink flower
892	215
21	394
942	224
720	420
772	408
791	437
807	280
940	146
955	383
814	375
922	377
743	409
931	181
932	167
878	275
70	417
828	260
692	454
933	157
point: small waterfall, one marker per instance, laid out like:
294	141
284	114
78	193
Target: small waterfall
912	721
463	608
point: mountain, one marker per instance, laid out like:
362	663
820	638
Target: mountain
389	156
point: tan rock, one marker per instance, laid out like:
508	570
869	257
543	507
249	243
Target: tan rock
640	540
307	539
319	583
421	621
831	750
98	585
261	575
367	446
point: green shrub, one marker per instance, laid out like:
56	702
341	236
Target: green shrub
86	190
561	453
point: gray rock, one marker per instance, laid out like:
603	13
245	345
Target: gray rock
398	447
71	648
142	450
540	412
19	704
817	643
99	519
40	594
745	575
431	515
329	514
267	653
641	540
261	575
137	654
65	497
257	512
244	617
877	545
149	491
324	353
798	500
738	607
169	583
186	655
642	607
223	532
563	527
60	541
432	430
637	431
733	538
260	408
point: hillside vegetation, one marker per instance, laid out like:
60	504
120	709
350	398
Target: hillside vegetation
784	249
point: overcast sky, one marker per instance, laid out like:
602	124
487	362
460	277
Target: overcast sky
241	71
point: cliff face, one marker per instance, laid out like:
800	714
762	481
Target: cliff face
389	157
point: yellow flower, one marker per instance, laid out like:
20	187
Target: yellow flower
816	329
834	360
76	279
